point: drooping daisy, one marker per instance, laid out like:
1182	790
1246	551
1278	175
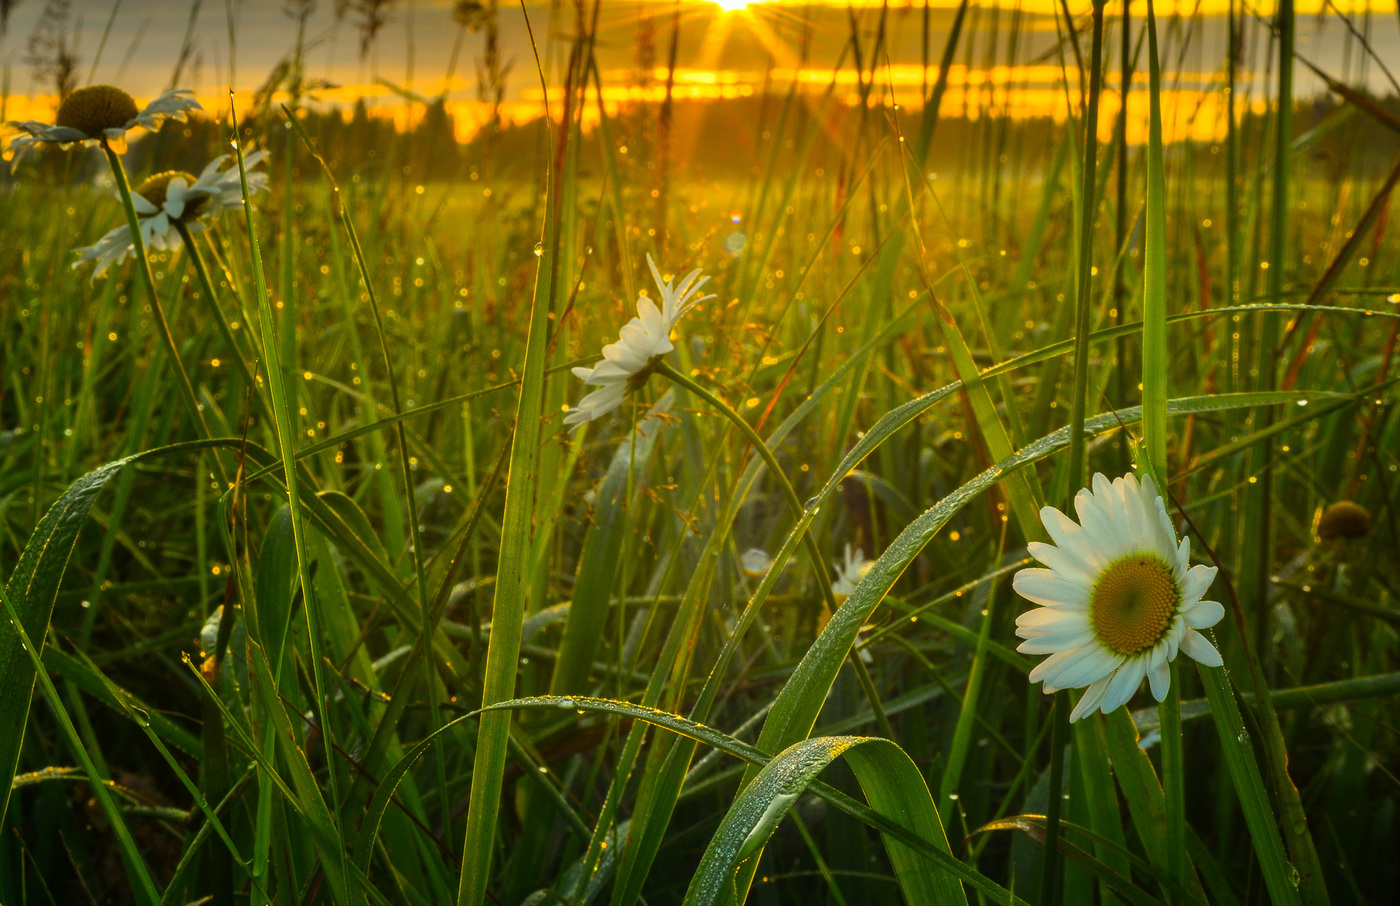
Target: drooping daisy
1119	598
627	363
755	562
849	574
100	114
171	198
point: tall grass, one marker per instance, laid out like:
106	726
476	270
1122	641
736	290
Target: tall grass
322	603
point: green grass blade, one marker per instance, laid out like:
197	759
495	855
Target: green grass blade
690	729
1279	874
144	887
599	562
1154	294
512	586
891	782
31	590
336	867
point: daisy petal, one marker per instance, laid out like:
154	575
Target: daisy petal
1204	615
1200	650
1090	700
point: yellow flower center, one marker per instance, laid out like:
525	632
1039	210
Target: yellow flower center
95	108
1133	603
154	190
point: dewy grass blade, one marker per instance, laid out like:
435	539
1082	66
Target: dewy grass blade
32	589
692	730
798	704
337	867
512	586
1154	301
1051	882
1279	874
137	873
1154	430
891	782
428	628
143	721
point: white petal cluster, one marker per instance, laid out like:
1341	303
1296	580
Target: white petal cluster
1118	520
755	562
173	105
849	573
643	339
848	576
218	189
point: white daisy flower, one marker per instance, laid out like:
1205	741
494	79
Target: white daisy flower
755	562
627	363
850	573
170	198
1119	599
100	114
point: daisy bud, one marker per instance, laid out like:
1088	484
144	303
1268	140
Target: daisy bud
1344	519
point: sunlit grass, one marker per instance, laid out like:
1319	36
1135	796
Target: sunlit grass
294	584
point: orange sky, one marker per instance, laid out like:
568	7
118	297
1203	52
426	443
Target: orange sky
724	55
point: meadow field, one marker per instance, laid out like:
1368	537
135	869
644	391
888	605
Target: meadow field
326	580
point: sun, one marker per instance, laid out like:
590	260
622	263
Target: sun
731	6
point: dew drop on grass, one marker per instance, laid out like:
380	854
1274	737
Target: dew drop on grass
539	249
566	704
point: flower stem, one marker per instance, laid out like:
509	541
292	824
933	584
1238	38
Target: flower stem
162	325
207	287
795	505
789	494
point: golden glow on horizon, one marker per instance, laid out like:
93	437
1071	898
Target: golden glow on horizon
731	6
1193	105
1082	7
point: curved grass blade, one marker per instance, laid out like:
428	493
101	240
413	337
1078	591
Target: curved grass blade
1279	874
32	590
512	586
891	782
144	886
319	816
795	711
1034	827
742	750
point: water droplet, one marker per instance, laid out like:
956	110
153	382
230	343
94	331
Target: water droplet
567	704
539	249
